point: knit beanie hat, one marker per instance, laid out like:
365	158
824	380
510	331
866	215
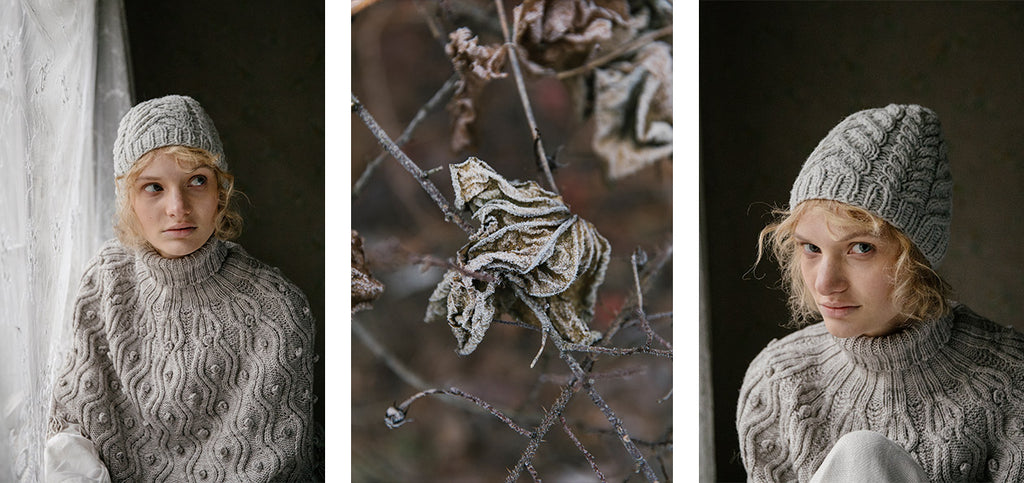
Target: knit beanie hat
891	162
165	121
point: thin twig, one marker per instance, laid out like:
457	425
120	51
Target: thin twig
533	472
397	415
440	95
435	194
644	324
513	56
617	351
587	382
651	269
541	431
616	374
616	53
586	454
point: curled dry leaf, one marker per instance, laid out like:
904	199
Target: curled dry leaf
633	110
562	34
365	288
477	65
528	239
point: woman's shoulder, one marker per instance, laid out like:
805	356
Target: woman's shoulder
260	273
985	339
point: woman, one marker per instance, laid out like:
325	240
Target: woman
896	382
191	360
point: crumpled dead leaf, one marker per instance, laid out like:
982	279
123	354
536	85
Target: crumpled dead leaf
476	65
563	34
365	288
527	239
633	111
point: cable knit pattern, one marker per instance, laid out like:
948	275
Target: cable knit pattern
191	369
950	391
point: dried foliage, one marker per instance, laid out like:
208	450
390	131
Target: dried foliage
476	65
633	109
629	96
365	288
527	239
563	34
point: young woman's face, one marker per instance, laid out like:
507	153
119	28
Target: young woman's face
176	208
849	274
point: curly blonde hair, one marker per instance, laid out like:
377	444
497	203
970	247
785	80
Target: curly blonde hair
228	223
918	291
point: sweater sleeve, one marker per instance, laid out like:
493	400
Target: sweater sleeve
758	412
77	376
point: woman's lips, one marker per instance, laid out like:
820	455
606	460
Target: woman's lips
836	311
181	232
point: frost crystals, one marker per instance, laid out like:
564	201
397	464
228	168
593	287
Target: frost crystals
528	239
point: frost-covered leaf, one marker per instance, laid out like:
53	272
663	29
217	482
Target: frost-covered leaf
476	65
528	239
365	288
562	34
633	110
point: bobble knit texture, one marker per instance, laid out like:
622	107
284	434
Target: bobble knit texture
892	162
949	391
191	369
164	121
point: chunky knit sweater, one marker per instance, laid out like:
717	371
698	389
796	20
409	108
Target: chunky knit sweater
191	369
949	391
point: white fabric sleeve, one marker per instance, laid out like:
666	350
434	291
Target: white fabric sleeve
72	458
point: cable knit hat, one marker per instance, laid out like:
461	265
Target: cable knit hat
164	121
892	162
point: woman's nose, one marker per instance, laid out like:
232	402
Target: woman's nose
831	276
177	204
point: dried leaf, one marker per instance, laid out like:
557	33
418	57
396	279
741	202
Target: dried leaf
529	239
633	111
365	288
477	65
562	34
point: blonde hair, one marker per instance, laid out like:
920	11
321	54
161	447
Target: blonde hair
227	223
918	291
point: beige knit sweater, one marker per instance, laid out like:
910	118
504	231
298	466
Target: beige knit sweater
949	391
191	369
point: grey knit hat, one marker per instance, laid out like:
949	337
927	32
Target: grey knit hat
891	162
164	121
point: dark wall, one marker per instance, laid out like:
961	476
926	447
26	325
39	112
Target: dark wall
258	69
776	77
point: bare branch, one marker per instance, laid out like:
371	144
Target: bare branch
513	56
587	382
435	194
539	433
396	416
440	95
590	457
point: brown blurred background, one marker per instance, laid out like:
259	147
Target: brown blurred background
776	77
397	65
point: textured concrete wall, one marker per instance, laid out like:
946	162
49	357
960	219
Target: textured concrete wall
775	77
258	69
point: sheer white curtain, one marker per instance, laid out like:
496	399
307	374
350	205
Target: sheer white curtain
63	87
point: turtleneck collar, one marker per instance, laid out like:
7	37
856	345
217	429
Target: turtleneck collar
187	270
900	350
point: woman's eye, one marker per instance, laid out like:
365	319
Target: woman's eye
862	248
198	180
152	188
809	248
